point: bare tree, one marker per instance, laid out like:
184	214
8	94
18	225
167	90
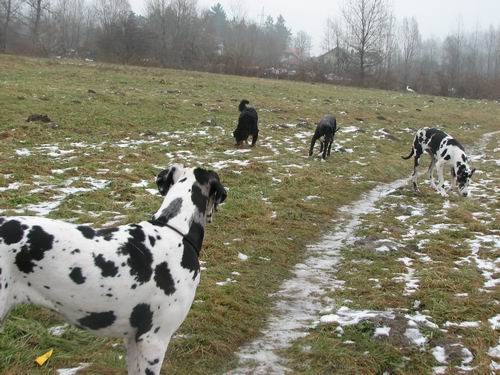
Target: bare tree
69	24
8	9
111	12
160	17
238	10
333	35
303	43
365	21
37	8
410	42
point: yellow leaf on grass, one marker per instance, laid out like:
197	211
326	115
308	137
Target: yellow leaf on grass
44	357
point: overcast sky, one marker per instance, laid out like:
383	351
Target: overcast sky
435	17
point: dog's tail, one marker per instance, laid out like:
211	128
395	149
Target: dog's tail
409	156
243	105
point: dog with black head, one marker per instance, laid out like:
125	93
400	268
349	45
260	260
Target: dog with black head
134	281
248	125
325	132
443	150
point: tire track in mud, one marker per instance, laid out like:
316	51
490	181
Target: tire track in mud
300	299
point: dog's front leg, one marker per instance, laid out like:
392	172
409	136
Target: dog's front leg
149	353
440	187
414	174
454	184
313	142
132	359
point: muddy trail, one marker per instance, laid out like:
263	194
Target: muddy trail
300	301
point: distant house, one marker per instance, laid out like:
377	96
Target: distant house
337	59
291	59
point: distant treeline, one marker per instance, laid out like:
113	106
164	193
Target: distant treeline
364	45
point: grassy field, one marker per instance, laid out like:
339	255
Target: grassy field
96	162
423	274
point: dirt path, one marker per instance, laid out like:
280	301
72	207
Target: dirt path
300	299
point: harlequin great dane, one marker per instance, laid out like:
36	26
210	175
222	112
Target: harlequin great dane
444	150
134	281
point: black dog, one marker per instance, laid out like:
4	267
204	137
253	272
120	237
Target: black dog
325	132
247	125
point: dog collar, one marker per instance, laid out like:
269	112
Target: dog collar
185	237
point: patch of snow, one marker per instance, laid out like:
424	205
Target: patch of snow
58	330
421	318
382	249
494	351
242	257
225	282
23	152
142	183
11	186
311	197
474	324
382	331
345	316
495	322
72	371
348	129
439	370
439	354
415	336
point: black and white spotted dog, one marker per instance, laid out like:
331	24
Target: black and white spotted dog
325	132
134	281
247	125
444	150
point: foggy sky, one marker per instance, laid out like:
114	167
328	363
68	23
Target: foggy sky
435	17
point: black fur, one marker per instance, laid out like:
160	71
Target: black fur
247	124
325	132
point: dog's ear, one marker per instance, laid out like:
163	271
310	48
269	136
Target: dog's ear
168	177
216	189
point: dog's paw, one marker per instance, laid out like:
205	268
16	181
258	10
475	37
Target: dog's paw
443	193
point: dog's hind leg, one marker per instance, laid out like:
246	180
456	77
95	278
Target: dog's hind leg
330	147
5	304
430	172
255	136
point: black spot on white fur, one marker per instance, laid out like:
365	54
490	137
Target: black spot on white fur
171	211
38	243
87	231
198	199
163	278
140	258
76	276
97	321
141	319
108	267
11	232
106	233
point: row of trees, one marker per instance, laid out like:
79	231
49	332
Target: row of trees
172	33
370	47
365	44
